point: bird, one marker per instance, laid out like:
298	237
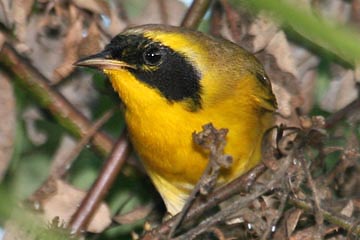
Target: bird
172	81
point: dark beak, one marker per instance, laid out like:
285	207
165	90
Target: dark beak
102	60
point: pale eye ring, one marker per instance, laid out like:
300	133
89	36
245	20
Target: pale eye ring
153	56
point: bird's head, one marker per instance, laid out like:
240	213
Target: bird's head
172	65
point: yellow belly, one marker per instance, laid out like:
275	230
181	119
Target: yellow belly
161	132
175	163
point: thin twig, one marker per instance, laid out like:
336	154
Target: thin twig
189	201
217	11
58	170
195	13
336	117
318	215
233	19
96	194
349	224
241	184
348	157
279	214
218	233
164	16
213	140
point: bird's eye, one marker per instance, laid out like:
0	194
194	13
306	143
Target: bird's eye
153	56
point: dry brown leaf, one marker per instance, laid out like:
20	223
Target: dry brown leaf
94	6
348	210
305	234
70	47
91	43
304	60
341	92
44	45
7	123
5	13
269	201
21	9
158	11
262	30
59	199
292	220
134	215
306	65
280	48
311	233
30	116
283	99
335	10
288	224
117	24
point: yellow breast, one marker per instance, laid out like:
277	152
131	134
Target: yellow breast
161	132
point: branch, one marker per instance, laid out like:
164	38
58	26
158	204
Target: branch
338	116
195	13
101	186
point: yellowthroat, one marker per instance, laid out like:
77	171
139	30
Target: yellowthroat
173	81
